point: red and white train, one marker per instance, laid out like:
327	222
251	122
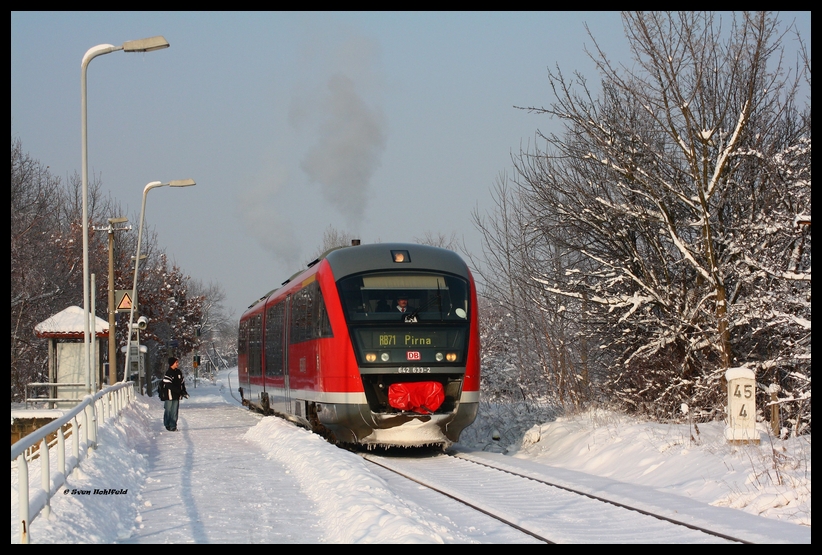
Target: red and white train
331	349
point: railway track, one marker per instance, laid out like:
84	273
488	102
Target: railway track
555	506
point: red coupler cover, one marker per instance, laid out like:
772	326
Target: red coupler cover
421	397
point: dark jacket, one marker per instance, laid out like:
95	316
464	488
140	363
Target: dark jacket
174	386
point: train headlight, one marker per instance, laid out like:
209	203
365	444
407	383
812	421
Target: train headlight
451	357
370	357
439	357
385	357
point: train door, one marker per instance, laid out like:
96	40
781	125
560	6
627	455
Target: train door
255	357
275	353
242	356
286	349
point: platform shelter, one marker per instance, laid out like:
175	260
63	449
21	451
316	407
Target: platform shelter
67	368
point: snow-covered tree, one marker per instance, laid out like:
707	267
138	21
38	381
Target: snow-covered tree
34	208
174	314
47	271
218	329
664	214
540	346
46	257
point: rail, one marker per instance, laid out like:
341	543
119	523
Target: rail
84	421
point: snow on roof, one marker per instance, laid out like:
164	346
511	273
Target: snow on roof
69	324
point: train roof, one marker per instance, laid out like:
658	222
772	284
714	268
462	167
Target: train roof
380	256
345	261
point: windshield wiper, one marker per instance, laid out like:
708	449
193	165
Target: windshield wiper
413	316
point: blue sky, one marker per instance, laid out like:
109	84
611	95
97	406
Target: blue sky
388	125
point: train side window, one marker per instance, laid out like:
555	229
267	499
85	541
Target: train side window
322	324
242	343
309	318
300	316
274	330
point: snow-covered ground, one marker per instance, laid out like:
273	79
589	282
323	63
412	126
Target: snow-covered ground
177	483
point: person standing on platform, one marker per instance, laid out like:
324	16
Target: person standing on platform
172	389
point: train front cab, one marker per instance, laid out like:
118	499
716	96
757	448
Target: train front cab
419	369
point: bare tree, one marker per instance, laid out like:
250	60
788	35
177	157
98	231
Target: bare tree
439	239
333	238
541	343
498	274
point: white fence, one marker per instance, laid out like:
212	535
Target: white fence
83	419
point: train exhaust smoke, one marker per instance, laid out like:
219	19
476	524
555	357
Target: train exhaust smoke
334	138
262	211
349	149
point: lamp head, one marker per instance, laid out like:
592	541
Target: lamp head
146	45
181	183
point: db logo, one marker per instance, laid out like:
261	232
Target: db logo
413	355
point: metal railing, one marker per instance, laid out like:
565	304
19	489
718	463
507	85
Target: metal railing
83	418
52	397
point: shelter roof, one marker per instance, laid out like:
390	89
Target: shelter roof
68	324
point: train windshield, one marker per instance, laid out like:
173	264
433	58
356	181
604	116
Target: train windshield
405	297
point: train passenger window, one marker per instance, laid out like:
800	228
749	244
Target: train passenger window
309	318
242	343
274	339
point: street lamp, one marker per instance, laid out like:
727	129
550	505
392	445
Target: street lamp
152	185
141	45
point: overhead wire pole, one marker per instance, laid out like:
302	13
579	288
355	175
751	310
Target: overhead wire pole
112	335
112	342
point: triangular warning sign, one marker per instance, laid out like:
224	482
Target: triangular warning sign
125	302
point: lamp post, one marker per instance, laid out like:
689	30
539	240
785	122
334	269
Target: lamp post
141	45
152	185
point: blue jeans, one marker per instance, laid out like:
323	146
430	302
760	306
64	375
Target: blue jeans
172	408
